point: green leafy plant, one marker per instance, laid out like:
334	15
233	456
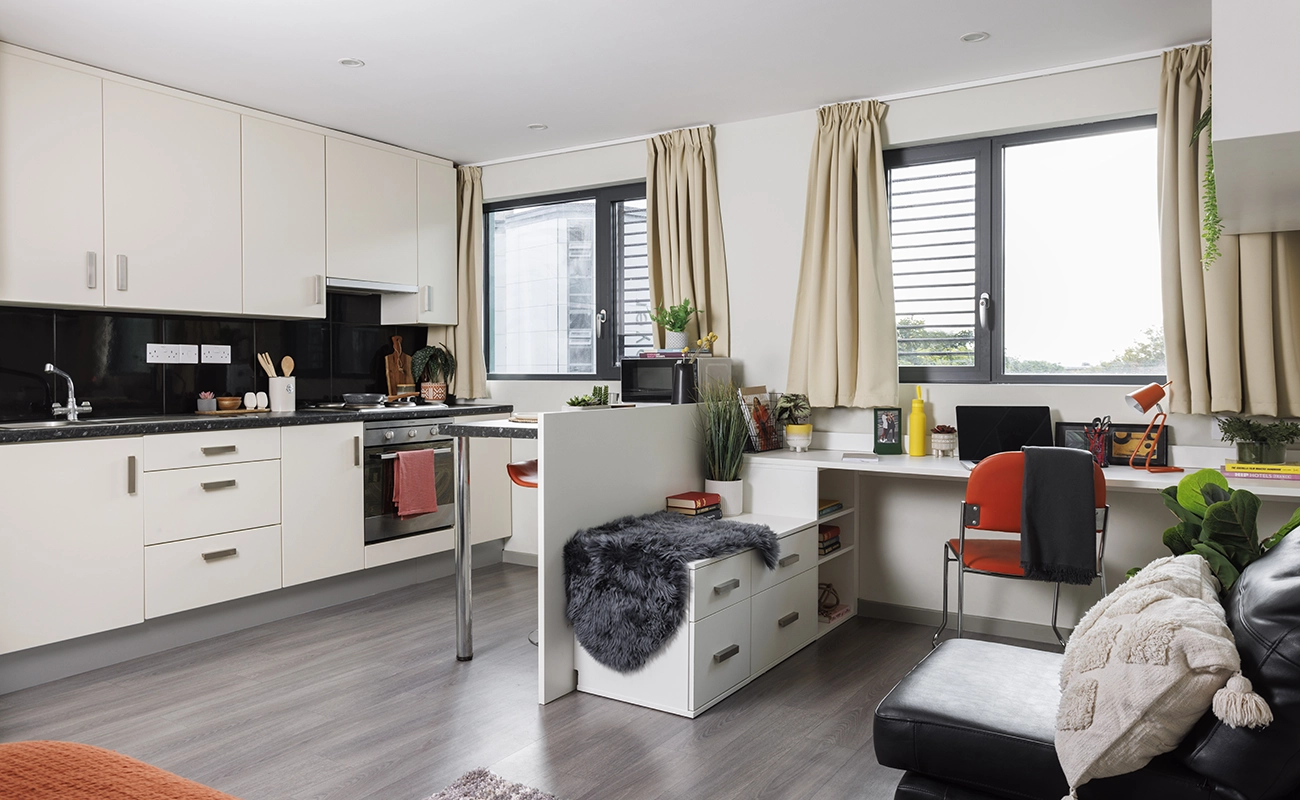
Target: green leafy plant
1217	523
433	364
943	429
1211	223
1240	429
723	430
599	397
674	318
793	409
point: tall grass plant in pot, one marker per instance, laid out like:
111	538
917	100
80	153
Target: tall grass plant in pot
723	434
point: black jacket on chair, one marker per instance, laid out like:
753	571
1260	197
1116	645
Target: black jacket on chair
976	720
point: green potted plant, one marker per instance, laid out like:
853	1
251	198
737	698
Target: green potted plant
1259	442
674	320
723	434
794	411
599	398
433	367
943	440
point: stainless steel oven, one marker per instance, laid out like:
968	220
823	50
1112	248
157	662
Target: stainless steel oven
383	441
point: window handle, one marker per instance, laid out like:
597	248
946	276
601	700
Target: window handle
601	316
985	303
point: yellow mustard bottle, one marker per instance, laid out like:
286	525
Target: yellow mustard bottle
916	427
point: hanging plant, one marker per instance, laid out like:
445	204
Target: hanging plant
1211	224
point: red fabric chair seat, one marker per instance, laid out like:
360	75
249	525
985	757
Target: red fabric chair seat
523	473
999	556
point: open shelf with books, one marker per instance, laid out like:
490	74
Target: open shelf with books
838	529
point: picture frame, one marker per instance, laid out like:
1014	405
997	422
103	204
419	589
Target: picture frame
1124	439
888	431
1073	435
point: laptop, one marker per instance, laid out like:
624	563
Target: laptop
985	430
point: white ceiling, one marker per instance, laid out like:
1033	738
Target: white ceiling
463	78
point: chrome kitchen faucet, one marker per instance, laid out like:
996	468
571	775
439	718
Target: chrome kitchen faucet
72	410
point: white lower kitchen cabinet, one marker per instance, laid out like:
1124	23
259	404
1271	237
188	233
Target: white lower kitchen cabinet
210	569
322	501
72	544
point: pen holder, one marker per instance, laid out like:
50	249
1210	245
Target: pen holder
1097	446
281	393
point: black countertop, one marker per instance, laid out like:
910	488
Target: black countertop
89	428
492	429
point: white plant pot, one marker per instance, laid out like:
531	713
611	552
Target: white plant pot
674	340
732	494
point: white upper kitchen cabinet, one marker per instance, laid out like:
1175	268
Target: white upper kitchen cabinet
370	218
72	549
171	203
284	220
51	185
437	244
322	503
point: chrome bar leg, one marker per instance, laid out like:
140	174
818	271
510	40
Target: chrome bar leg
464	595
934	640
961	597
1056	604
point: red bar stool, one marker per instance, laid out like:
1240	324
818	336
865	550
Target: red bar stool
524	473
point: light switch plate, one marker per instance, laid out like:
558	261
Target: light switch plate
216	353
162	354
189	353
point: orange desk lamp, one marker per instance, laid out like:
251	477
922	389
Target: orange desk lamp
1143	400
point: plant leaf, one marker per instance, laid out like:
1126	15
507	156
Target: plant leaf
1223	569
1291	525
1231	525
1190	489
1179	539
1214	493
1129	575
1170	495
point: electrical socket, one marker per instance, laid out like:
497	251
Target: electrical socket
162	354
216	353
188	353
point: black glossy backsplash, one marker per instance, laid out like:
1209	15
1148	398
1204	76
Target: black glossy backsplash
105	355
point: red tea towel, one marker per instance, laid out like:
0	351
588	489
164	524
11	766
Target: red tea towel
414	489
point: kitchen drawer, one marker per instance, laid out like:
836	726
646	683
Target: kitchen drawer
204	448
186	503
718	585
798	552
719	653
792	602
178	577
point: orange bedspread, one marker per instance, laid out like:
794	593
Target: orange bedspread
69	771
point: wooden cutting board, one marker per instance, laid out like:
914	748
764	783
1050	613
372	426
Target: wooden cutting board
397	367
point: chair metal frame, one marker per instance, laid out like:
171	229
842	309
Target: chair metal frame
970	518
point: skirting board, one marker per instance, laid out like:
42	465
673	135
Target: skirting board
929	617
38	665
519	557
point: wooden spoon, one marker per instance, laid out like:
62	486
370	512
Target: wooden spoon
286	365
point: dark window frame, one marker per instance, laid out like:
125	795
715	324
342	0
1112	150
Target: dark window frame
990	352
607	199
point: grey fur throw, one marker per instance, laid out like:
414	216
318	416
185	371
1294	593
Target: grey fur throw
627	584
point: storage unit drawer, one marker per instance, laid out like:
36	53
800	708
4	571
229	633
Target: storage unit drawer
213	569
798	552
203	448
720	652
185	503
718	585
784	619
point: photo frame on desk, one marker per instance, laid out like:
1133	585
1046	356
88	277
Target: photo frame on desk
1124	440
1073	435
888	431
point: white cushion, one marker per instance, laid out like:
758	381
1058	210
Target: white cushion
1141	668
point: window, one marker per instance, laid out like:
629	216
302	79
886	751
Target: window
1029	258
568	284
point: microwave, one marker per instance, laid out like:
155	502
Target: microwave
650	380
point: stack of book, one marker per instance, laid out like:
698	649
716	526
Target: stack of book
1272	472
828	539
825	506
695	504
833	613
665	353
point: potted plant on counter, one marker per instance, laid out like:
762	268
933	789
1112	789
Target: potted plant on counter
1259	442
795	412
674	320
943	440
723	434
434	367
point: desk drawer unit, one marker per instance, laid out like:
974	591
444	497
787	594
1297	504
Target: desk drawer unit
719	653
212	569
798	554
719	585
186	503
204	448
784	619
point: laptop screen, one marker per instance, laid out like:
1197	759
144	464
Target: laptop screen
985	430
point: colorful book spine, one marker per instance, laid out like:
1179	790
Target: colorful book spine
693	499
831	614
827	548
695	512
828	532
829	509
1262	476
1279	469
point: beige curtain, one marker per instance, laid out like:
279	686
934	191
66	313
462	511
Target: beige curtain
1232	331
465	339
844	350
684	232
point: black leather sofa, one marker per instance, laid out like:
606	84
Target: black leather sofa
977	720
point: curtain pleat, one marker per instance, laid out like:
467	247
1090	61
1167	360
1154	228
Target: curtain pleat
844	349
684	244
465	339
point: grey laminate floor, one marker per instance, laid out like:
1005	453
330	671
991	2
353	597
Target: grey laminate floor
367	700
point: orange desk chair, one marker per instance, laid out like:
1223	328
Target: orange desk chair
524	473
994	497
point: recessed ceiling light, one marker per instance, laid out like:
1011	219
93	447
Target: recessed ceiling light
537	126
974	36
351	62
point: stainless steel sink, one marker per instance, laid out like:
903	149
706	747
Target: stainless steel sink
83	423
45	423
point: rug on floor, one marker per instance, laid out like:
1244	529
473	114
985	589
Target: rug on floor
483	785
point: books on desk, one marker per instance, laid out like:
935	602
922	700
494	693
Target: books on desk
693	500
1274	472
825	506
828	539
708	512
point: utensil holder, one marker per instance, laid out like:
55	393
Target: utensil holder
281	391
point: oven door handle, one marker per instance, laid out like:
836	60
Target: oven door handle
393	456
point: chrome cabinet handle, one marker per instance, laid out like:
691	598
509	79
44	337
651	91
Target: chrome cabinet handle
212	486
320	289
92	270
788	619
121	273
793	558
985	309
220	450
727	586
130	474
356	451
428	298
216	554
725	653
601	316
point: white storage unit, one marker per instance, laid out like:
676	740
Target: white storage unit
370	214
321	478
437	275
210	569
